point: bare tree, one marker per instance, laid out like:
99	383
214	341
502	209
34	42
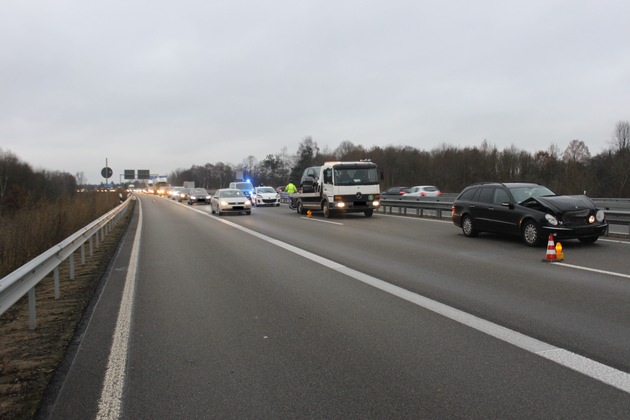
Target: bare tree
621	136
577	151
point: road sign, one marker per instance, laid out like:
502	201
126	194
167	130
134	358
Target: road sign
107	172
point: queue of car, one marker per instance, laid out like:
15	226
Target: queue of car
531	211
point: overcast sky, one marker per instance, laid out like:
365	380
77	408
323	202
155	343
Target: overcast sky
161	85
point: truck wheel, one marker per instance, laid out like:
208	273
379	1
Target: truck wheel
326	210
300	208
369	213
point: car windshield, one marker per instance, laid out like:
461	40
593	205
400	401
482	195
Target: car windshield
199	191
244	186
266	190
231	193
523	193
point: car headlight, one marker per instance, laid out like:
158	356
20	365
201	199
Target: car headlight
376	203
248	203
208	197
224	203
551	219
600	216
341	204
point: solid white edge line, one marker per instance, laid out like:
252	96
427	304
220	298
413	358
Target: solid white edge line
109	406
573	361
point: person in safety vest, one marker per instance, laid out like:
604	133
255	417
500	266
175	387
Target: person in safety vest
290	188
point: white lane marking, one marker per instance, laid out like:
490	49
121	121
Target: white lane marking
109	405
322	221
615	241
581	364
594	270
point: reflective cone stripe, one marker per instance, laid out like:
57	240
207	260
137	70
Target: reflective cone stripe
551	250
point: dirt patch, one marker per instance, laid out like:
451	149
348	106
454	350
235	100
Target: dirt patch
29	358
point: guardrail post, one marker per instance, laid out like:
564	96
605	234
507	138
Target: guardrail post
83	253
32	316
91	248
71	259
56	283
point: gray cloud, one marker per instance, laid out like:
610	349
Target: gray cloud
162	85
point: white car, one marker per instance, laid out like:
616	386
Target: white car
423	191
265	196
229	200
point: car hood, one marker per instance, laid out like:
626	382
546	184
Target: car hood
562	203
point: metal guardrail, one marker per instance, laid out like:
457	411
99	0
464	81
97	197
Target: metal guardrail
23	280
426	207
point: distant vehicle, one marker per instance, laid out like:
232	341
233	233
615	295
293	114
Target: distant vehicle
199	195
230	200
265	196
180	194
531	211
395	192
173	193
245	186
423	191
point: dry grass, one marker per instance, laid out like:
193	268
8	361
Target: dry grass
28	359
40	225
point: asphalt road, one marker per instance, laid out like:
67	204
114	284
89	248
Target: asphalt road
276	315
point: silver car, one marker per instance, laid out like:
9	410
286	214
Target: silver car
230	200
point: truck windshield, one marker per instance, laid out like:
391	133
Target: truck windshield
355	175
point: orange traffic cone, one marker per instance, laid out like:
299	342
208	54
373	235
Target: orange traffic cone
551	250
309	214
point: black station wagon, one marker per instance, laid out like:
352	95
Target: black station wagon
532	211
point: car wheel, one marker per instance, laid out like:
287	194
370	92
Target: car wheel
531	233
468	227
369	213
588	239
218	212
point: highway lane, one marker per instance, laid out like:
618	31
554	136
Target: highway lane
497	278
227	324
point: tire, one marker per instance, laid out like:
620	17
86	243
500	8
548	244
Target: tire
219	212
589	239
369	213
531	233
326	210
212	210
468	227
300	208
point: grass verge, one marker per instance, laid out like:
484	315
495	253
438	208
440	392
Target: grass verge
29	358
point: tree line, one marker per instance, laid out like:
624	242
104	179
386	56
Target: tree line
572	171
22	186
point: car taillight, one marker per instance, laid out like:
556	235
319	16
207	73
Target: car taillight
423	193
